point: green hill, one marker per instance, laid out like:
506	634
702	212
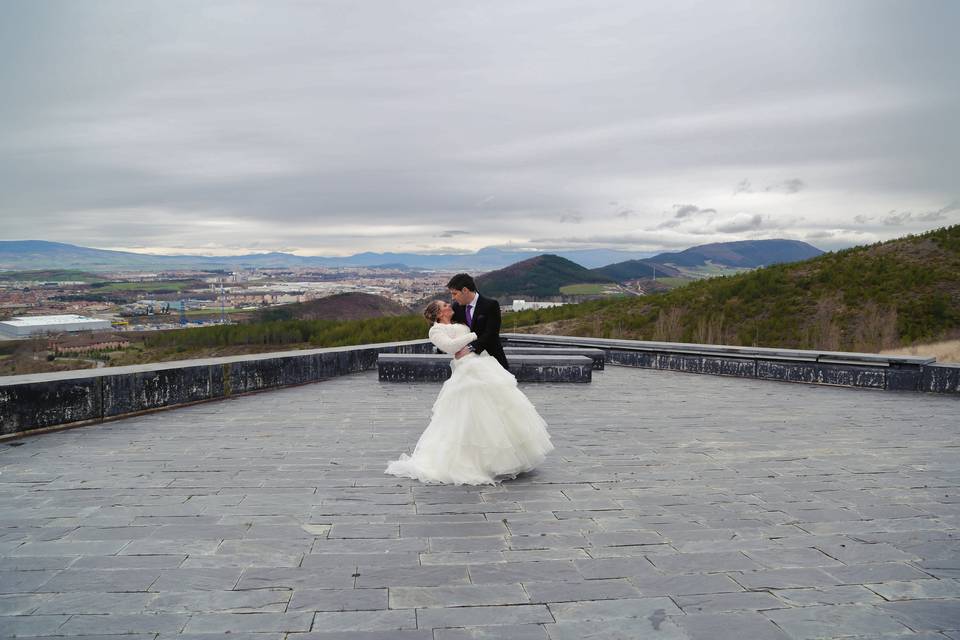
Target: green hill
637	269
860	299
342	306
537	277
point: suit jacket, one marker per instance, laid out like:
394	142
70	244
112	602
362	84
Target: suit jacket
486	324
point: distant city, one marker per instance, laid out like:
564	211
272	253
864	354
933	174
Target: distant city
171	299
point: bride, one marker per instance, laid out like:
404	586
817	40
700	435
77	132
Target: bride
483	429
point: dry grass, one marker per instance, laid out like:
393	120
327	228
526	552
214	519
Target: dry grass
946	351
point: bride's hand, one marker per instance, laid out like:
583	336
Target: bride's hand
461	353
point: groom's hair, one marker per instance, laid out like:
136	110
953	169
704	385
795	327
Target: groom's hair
460	281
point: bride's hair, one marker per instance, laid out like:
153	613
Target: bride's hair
432	312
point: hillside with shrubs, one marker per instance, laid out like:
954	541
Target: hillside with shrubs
866	298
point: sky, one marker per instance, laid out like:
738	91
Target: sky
438	126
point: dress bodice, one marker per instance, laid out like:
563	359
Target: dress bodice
450	338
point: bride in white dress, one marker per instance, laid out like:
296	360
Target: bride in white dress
483	428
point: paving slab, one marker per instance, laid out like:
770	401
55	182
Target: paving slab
674	506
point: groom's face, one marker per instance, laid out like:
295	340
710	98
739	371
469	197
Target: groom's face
462	296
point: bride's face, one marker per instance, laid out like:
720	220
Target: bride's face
446	313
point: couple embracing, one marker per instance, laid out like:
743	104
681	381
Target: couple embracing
483	428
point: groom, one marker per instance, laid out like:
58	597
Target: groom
481	314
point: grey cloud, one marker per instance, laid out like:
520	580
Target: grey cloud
793	185
862	219
788	186
741	222
625	213
571	218
819	235
273	123
452	233
894	219
688	210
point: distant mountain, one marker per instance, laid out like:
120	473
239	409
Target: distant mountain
636	269
19	255
343	306
537	277
867	298
745	253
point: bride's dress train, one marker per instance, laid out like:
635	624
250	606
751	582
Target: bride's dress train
483	428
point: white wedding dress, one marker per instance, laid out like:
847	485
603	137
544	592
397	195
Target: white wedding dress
483	428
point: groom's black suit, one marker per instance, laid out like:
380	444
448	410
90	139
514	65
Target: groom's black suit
486	324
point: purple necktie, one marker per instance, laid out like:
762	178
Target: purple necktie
469	317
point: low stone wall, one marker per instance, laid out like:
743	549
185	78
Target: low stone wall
32	402
860	370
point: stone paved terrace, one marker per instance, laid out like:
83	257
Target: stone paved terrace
675	506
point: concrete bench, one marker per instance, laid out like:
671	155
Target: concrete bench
411	367
597	355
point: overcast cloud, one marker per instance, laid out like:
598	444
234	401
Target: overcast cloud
339	127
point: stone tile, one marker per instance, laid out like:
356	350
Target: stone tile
258	601
616	568
242	561
380	560
296	578
197	579
545	541
484	543
924	615
129	562
338	600
24	581
704	562
365	531
786	579
729	626
791	558
514	572
460	596
483	616
660	627
584	590
221	623
456	530
393	634
873	573
846	594
21	604
917	589
506	632
624	538
825	621
600	610
365	620
102	580
428	576
92	602
86	625
725	602
31	625
681	585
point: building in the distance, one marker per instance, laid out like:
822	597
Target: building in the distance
26	326
523	305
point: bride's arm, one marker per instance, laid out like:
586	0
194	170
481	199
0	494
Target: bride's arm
447	344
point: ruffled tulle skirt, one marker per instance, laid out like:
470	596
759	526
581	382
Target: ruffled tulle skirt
483	429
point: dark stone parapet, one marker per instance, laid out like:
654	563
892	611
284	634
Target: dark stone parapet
526	368
859	370
40	401
597	355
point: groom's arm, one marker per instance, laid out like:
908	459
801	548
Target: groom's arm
491	330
